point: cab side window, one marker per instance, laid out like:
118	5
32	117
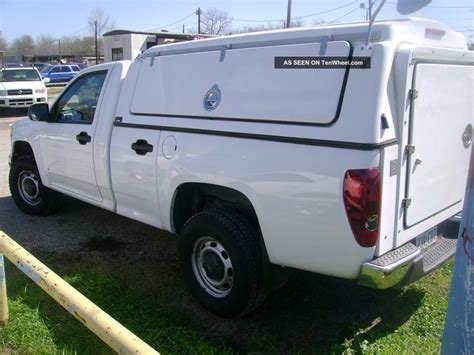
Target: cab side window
78	103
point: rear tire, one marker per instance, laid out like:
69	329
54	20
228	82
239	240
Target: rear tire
28	192
221	262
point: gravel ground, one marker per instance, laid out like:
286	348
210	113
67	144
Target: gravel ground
74	228
5	123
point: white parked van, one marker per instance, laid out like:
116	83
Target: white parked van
261	160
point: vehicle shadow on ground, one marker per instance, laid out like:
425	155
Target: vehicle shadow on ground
310	314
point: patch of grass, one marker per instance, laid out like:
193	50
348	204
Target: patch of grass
26	332
421	333
311	314
38	325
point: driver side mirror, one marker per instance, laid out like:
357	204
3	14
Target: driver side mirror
46	80
39	112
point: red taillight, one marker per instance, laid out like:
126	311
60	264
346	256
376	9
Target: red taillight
362	201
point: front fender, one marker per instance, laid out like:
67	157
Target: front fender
28	131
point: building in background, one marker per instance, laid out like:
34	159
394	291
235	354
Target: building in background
127	45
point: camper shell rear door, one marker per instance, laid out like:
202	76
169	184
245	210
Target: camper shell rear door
438	144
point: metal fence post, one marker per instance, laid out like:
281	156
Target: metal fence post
3	293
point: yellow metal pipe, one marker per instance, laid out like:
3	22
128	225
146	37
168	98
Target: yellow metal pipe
100	323
3	294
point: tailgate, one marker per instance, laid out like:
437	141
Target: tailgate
439	140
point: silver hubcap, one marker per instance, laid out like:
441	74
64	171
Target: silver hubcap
28	186
212	267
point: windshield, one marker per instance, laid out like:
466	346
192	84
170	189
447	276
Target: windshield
19	75
46	68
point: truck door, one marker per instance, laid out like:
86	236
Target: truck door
133	165
439	140
67	144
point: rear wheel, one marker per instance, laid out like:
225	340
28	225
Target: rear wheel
27	190
221	262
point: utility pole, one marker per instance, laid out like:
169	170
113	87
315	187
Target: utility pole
199	12
288	15
96	47
183	28
370	9
59	49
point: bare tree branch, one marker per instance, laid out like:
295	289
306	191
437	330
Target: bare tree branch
104	22
24	45
216	22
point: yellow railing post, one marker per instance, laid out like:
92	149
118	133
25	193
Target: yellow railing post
3	293
100	323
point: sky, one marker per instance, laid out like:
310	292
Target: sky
62	18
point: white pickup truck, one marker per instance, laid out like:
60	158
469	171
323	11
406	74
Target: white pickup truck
258	167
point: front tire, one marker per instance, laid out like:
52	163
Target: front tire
28	192
221	262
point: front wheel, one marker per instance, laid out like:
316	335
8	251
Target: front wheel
221	262
28	192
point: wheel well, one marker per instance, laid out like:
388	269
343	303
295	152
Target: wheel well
191	198
21	149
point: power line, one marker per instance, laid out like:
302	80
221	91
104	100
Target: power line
72	34
242	20
273	20
346	14
311	15
186	24
325	12
174	23
298	17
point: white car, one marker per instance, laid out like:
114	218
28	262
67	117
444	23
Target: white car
21	87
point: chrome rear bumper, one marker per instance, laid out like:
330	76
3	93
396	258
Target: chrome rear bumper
407	264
